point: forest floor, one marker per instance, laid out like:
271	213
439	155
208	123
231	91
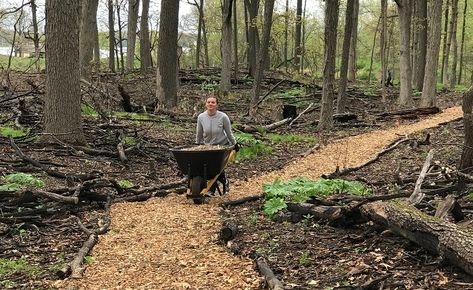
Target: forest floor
170	243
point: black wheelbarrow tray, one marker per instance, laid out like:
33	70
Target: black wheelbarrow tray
202	167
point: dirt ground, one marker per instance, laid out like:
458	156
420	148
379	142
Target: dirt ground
170	243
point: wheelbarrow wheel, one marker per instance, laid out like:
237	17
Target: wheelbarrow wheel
197	184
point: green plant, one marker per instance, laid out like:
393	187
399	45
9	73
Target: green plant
10	266
13	132
253	219
129	140
293	92
301	189
124	183
16	181
304	258
133	116
88	110
88	259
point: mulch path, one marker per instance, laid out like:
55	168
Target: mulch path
170	243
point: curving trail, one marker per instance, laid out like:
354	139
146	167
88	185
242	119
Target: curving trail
170	243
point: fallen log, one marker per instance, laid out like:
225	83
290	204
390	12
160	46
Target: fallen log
269	277
228	231
241	200
449	207
335	215
453	243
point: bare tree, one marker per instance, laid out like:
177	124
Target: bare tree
166	73
428	97
330	46
62	116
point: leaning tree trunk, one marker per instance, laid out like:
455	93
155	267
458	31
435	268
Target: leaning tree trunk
62	116
342	83
353	42
330	47
405	98
428	98
466	161
145	44
166	73
226	47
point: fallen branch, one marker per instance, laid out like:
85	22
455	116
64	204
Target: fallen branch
269	277
302	113
418	195
241	200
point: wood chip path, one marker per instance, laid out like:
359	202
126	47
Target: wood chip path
170	243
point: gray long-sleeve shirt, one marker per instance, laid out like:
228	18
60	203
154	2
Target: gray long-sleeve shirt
214	130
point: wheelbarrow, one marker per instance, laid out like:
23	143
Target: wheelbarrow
203	167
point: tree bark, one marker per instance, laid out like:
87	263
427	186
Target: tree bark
382	40
428	98
454	45
466	161
35	34
111	37
353	42
297	36
145	44
262	54
405	98
133	8
342	83
235	41
253	42
462	43
421	44
447	45
62	115
86	38
330	39
166	88
226	47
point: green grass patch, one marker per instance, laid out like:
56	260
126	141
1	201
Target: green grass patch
88	110
16	181
13	132
292	92
129	140
300	189
21	63
133	116
291	138
124	183
10	266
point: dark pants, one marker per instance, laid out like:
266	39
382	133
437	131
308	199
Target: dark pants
222	180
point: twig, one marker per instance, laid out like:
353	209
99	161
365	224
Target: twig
302	113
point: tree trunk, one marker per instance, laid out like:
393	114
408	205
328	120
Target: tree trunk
297	36
286	32
145	44
342	84
86	38
120	38
111	37
421	44
405	98
262	54
35	35
353	42
428	98
235	40
454	243
446	53
62	116
330	47
226	47
166	78
303	37
445	36
252	6
96	47
382	40
199	7
372	50
133	7
454	45
467	154
462	43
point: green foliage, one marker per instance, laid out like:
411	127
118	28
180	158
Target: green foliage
16	181
10	266
291	138
88	259
129	140
274	205
301	189
88	110
304	258
26	64
133	116
253	152
124	183
293	92
209	86
13	132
